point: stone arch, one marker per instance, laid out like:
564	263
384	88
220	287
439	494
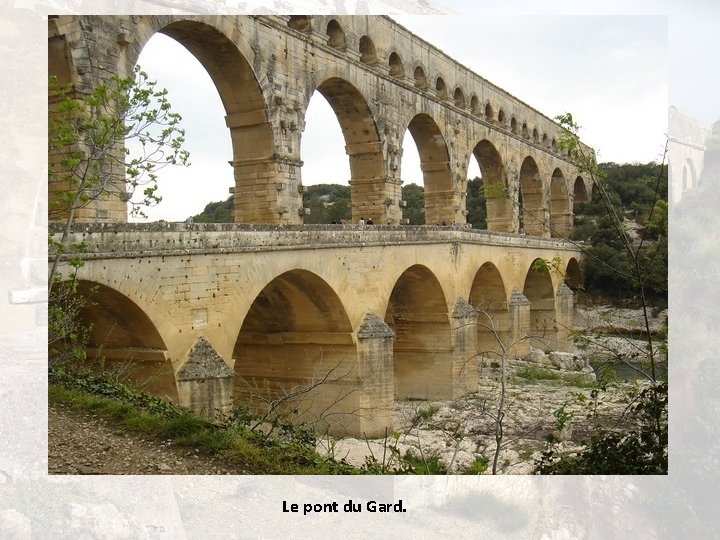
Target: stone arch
573	274
560	224
545	139
245	106
538	289
420	78
435	166
488	297
459	98
489	113
295	334
535	135
418	314
397	69
127	339
368	54
301	23
579	191
501	117
513	125
362	144
525	131
497	204
475	105
336	35
553	144
441	88
532	209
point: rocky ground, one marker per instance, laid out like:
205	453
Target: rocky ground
82	443
461	433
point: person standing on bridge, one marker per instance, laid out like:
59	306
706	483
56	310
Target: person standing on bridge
369	222
361	221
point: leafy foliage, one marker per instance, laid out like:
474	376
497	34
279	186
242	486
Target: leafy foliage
642	450
216	212
87	135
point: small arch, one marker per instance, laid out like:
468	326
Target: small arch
545	139
368	54
336	35
489	113
441	88
538	288
501	117
525	132
573	274
513	125
417	312
397	69
474	105
535	135
459	98
553	144
420	78
301	23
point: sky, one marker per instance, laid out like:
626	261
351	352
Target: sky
610	72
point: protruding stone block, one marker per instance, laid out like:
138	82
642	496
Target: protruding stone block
205	382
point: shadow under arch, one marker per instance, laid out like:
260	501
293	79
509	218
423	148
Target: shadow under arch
488	297
125	339
497	203
538	289
362	144
532	213
560	225
295	355
418	314
573	274
435	166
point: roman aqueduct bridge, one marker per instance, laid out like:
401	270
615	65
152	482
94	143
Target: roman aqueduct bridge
267	305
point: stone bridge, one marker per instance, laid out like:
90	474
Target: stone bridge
381	80
333	322
374	314
686	152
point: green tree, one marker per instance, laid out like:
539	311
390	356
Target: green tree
87	136
414	196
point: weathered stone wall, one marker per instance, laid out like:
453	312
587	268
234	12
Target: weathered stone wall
381	81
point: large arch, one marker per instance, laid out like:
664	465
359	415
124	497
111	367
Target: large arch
538	289
532	209
488	297
295	347
125	340
435	166
560	224
362	144
418	314
497	203
580	193
246	114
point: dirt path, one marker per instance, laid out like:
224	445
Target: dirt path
82	443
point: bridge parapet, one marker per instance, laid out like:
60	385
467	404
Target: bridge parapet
127	240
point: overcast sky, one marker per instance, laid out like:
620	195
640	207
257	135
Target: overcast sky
611	72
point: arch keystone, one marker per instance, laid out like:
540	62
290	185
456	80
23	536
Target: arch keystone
205	382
